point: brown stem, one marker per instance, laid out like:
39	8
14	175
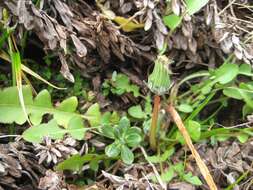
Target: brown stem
152	135
203	168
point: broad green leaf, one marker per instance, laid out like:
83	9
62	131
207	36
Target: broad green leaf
192	179
93	115
136	112
11	109
245	69
43	99
35	134
133	137
226	73
67	106
113	149
168	175
161	158
172	21
194	6
232	93
51	129
126	155
186	108
76	128
76	162
108	131
124	122
121	84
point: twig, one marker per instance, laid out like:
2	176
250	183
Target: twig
203	168
154	169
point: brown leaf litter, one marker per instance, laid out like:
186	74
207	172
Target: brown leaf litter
19	168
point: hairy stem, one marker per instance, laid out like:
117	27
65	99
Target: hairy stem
152	135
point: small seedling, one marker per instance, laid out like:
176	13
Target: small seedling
124	136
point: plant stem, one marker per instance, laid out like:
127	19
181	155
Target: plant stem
203	168
152	135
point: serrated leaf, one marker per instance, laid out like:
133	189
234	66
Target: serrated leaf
43	99
35	134
136	112
194	6
76	128
172	21
93	115
67	106
126	155
11	109
51	129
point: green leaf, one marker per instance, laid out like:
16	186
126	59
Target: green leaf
126	155
186	108
242	137
51	129
43	100
168	175
124	122
172	21
161	158
194	6
136	112
122	85
67	106
108	131
113	149
226	73
179	168
93	115
133	137
194	130
11	109
76	128
245	69
232	93
192	179
76	162
36	133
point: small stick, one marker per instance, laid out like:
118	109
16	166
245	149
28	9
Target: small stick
152	135
203	168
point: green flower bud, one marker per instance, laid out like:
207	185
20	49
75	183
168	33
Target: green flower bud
159	80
